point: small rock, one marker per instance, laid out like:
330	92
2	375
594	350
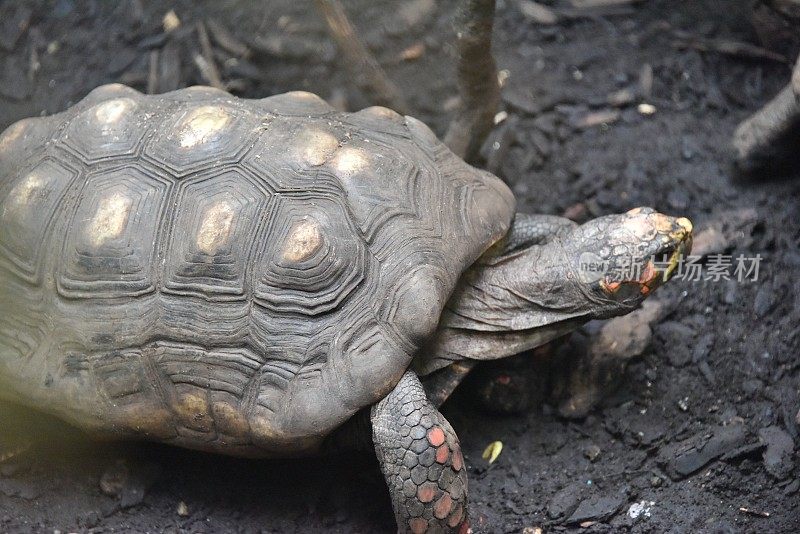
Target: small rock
676	341
684	458
765	300
646	109
778	454
596	508
128	481
592	452
565	501
183	509
640	509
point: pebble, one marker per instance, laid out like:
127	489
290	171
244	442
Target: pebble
688	456
183	509
597	508
778	454
765	300
128	481
592	452
675	341
565	501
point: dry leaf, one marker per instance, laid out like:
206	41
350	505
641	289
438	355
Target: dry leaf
493	451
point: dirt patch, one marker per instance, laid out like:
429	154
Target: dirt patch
702	435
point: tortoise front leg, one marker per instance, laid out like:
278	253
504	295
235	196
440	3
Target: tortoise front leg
421	460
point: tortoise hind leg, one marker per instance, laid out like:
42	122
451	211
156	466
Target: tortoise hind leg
421	459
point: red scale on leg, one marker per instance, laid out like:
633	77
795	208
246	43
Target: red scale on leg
436	436
418	525
443	506
456	516
427	492
442	454
458	459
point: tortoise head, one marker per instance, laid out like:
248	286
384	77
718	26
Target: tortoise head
542	287
620	259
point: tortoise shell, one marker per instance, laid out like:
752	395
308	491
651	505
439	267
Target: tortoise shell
227	274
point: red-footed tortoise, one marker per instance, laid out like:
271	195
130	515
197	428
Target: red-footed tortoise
245	276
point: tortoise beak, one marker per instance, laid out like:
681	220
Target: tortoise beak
680	237
673	239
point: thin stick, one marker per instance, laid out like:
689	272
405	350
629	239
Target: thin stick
368	74
208	68
771	133
227	41
152	74
726	47
477	78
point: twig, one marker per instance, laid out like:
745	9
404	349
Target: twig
208	68
753	512
152	74
477	78
771	133
227	41
726	46
365	69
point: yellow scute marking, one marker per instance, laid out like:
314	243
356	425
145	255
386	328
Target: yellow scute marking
110	112
302	242
24	194
349	161
11	134
201	124
215	230
110	219
316	146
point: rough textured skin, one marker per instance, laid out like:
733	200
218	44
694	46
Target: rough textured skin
231	275
530	230
421	458
513	300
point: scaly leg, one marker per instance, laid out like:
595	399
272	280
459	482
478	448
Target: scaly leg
421	459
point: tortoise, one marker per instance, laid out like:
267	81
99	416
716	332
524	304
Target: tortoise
251	277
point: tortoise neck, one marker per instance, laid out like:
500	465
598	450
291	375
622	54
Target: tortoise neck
508	304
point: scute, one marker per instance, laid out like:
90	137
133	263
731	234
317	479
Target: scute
209	253
109	128
28	205
112	238
232	275
194	136
313	258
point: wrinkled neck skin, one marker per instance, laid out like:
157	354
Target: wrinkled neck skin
507	304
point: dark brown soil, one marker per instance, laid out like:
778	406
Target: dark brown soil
702	432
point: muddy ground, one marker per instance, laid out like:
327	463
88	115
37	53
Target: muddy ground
700	436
